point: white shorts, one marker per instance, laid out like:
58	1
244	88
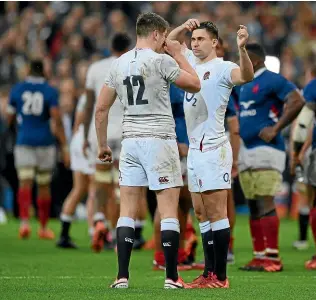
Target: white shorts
150	162
210	170
40	158
79	163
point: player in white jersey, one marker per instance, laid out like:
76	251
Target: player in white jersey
141	79
106	175
210	154
82	180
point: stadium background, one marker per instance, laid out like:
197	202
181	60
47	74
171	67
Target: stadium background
72	35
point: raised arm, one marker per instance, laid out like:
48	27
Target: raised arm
187	80
245	72
178	33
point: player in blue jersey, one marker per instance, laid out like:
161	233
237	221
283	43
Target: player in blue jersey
34	103
267	105
300	134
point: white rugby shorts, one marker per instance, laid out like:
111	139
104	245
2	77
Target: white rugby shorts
211	169
150	162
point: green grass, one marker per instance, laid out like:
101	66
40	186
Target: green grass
34	269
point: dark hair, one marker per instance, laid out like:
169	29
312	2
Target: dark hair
37	67
256	49
149	22
210	27
121	42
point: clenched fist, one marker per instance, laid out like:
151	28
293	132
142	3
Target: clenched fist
242	36
105	154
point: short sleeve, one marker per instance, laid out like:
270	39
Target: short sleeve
54	98
309	92
110	78
90	82
81	103
227	73
169	68
11	108
188	54
282	87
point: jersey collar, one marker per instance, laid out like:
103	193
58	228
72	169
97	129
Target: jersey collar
33	79
259	72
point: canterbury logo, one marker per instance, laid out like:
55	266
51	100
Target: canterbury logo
163	179
129	240
210	243
246	105
166	244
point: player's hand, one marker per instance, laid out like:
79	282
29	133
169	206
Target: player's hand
105	154
268	134
242	36
235	169
66	157
85	148
172	47
183	149
191	24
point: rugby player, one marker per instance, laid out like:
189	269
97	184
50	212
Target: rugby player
210	153
106	176
304	122
35	103
266	105
83	182
149	155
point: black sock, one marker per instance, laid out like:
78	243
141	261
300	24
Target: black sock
125	239
65	227
170	238
208	249
138	230
221	239
303	225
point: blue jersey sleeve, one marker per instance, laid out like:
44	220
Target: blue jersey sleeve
54	98
230	111
282	87
309	92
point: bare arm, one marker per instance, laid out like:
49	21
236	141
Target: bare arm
293	107
59	132
245	72
187	80
178	33
104	103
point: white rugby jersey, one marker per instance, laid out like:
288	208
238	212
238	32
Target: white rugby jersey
95	81
205	110
141	78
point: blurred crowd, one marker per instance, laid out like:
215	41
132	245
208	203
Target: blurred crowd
72	35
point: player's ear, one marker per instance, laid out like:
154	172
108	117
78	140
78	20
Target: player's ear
215	43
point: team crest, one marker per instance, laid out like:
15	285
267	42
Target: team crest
206	75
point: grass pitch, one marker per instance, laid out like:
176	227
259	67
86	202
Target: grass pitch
34	269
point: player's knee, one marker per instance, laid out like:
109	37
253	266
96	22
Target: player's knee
44	178
256	209
103	176
26	175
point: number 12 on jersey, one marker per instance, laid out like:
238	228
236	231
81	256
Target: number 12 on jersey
131	81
